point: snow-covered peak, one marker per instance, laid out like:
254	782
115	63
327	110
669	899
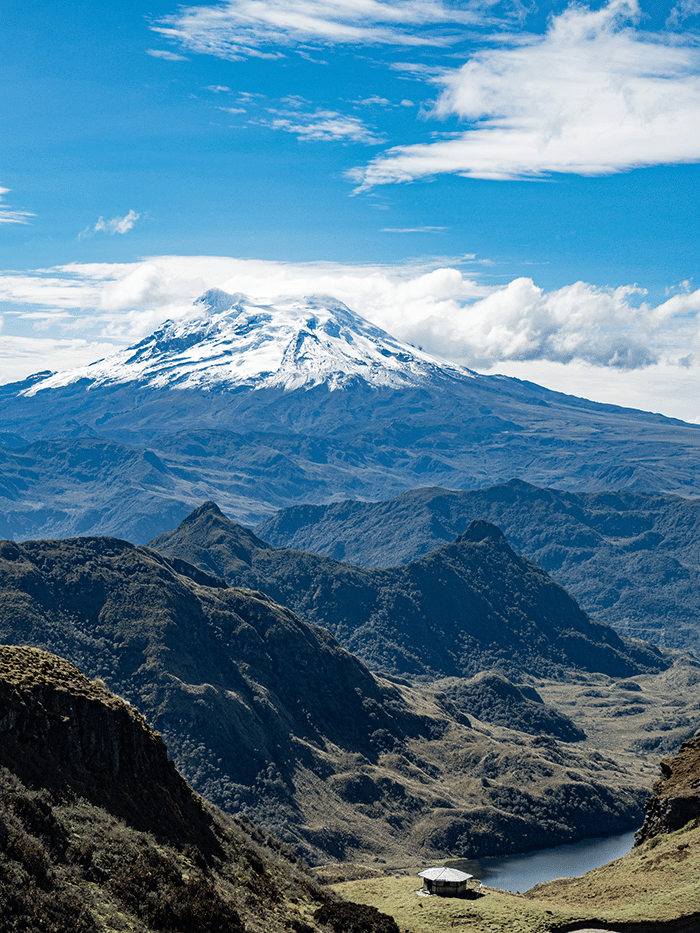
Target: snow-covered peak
291	344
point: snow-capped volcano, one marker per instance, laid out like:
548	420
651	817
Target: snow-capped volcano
295	343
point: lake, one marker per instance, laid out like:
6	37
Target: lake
521	872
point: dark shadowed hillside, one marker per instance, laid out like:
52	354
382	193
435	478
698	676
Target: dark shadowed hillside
268	715
99	832
468	606
631	559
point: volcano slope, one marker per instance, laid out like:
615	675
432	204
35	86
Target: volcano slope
468	606
268	715
264	406
99	832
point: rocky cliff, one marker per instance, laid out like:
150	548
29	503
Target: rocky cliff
676	797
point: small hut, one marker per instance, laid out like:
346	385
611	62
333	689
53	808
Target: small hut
445	882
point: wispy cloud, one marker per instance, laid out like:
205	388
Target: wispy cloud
10	216
412	229
241	28
115	225
591	96
325	125
166	56
682	11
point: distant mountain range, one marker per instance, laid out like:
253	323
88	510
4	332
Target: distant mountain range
631	559
466	607
259	407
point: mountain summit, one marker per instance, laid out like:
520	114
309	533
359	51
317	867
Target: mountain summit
297	343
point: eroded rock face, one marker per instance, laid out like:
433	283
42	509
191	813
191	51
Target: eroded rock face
676	797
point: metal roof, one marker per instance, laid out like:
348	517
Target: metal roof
444	874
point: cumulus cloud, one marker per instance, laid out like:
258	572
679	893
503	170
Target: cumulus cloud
591	96
10	216
441	309
115	225
241	28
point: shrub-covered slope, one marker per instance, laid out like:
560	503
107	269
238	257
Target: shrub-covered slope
98	831
269	715
468	606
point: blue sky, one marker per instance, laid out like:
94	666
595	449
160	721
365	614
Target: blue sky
512	186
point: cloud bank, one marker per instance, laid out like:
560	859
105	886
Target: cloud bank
591	96
441	309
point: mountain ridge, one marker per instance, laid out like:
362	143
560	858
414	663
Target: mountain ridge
631	559
469	605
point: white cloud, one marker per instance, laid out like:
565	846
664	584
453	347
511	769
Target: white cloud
10	216
608	344
327	125
115	225
442	309
241	28
166	56
591	96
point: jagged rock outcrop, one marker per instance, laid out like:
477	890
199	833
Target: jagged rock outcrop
676	798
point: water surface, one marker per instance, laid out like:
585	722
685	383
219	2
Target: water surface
521	872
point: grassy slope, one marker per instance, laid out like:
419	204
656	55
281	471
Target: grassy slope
654	884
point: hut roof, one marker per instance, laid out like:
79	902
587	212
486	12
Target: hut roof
444	874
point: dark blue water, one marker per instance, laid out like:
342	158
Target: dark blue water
521	872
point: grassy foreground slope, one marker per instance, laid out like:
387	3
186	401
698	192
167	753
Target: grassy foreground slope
653	889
